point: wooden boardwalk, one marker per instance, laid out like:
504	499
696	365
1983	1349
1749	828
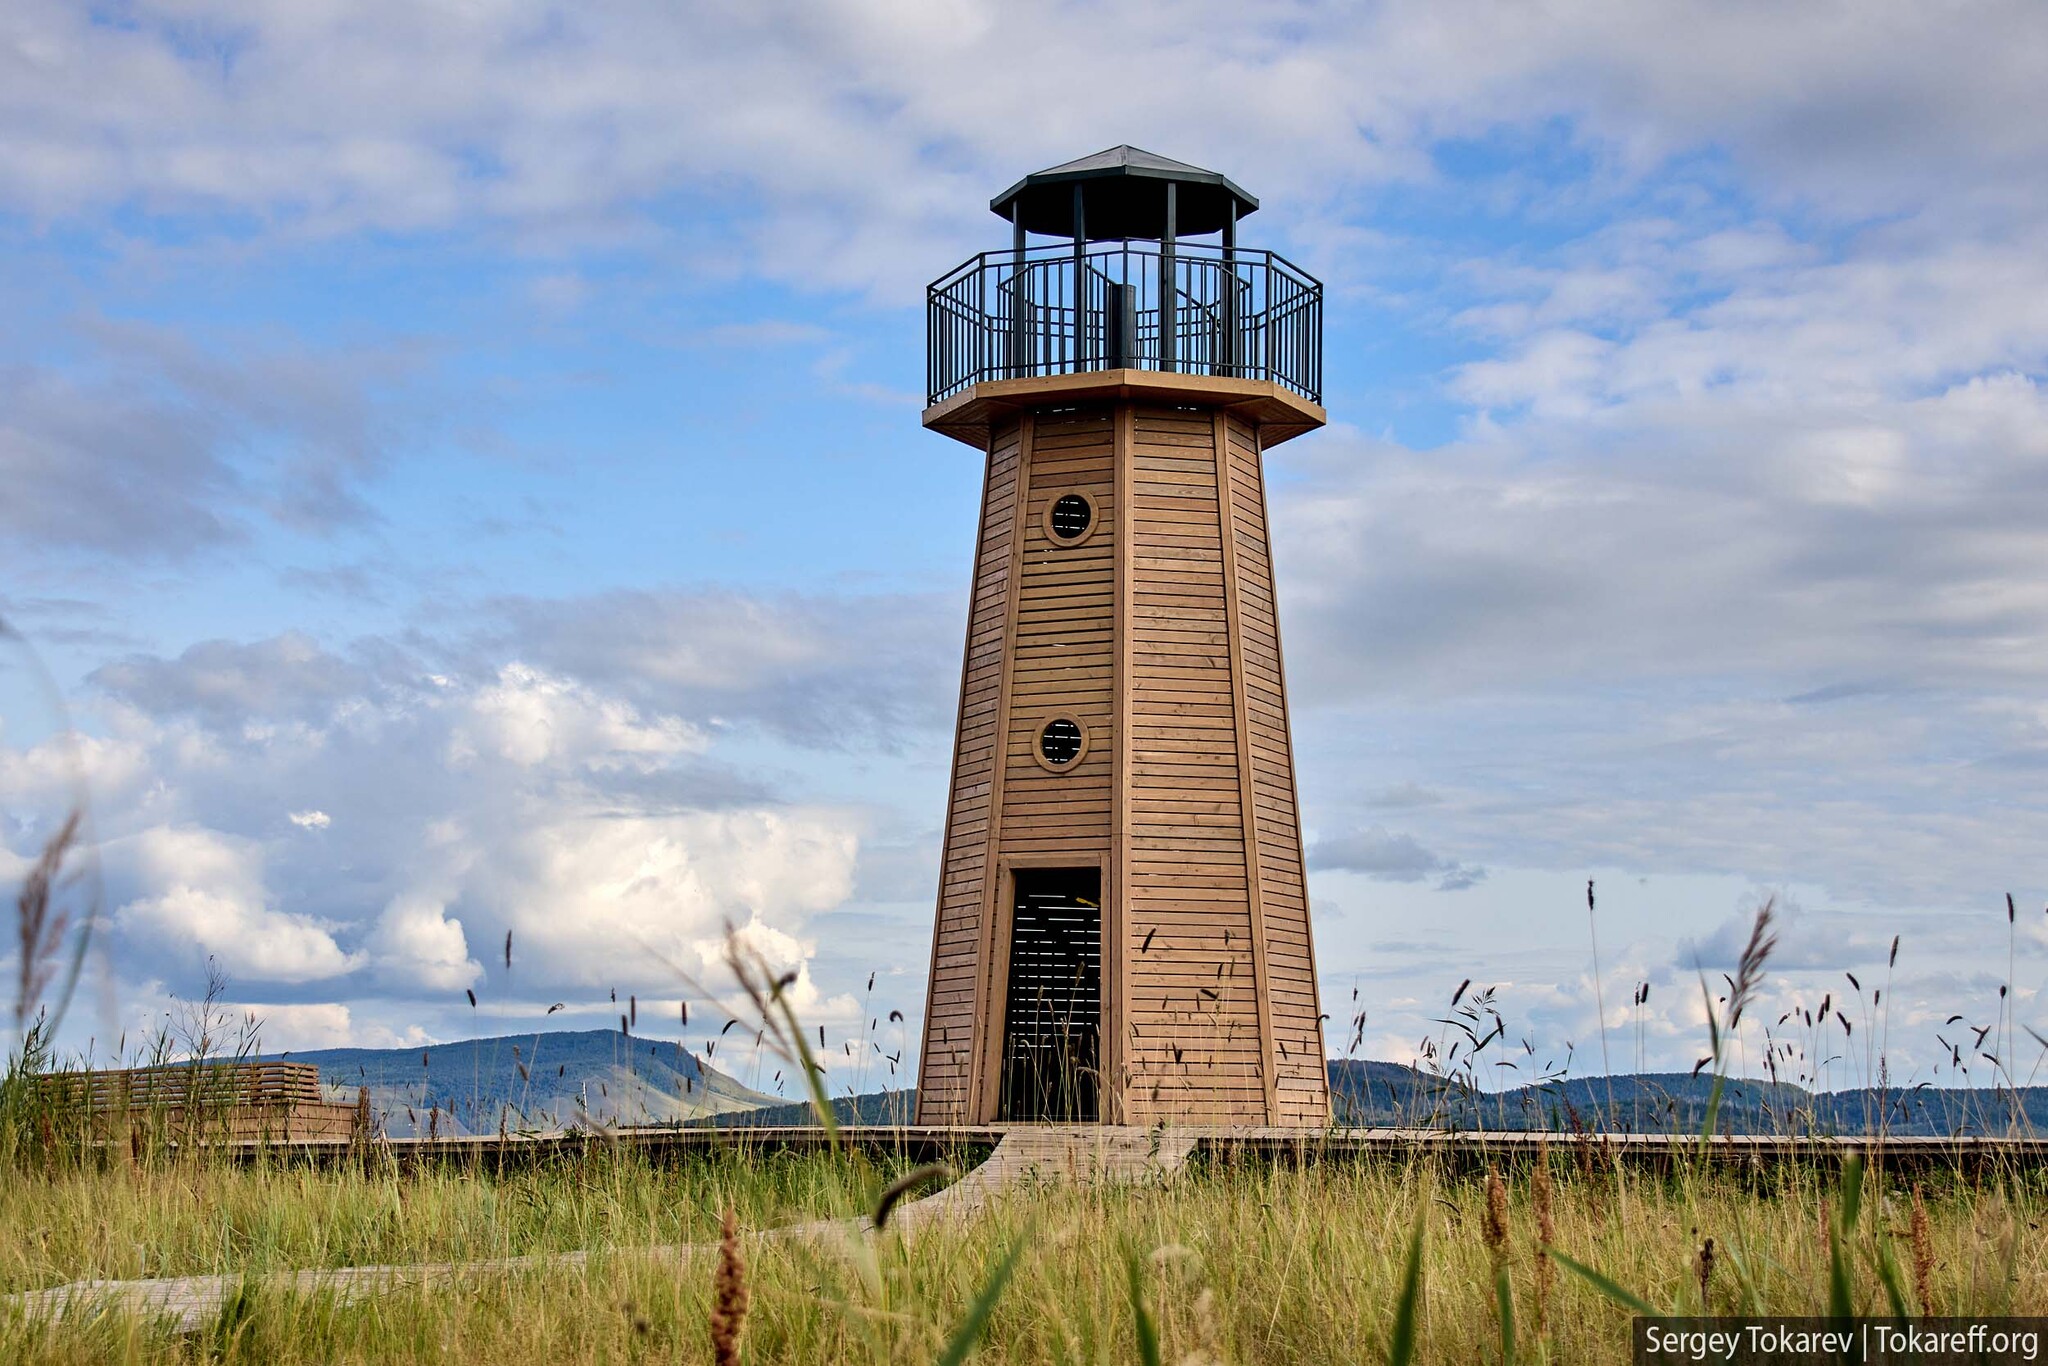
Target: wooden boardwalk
963	1144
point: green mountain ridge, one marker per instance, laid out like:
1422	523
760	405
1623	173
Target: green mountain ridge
550	1081
531	1083
1381	1093
1369	1094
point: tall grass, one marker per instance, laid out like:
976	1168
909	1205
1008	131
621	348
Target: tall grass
1240	1261
188	1213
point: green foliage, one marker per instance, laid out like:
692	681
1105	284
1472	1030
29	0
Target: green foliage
1141	1317
1401	1344
1504	1310
968	1334
1626	1298
1841	1231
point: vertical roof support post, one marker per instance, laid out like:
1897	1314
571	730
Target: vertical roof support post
1080	329
1168	313
1268	352
1226	351
1020	297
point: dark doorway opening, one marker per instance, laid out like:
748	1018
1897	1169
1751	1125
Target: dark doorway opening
1052	1025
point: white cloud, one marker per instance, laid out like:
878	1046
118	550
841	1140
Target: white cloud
298	1026
865	138
531	717
454	808
415	944
608	899
1717	534
207	897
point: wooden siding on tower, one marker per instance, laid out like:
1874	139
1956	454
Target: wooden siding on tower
1062	629
1063	653
1301	1081
1191	1024
944	1070
1159	634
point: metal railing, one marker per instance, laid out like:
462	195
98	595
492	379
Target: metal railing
1189	309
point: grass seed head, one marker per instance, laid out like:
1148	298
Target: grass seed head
1922	1240
1496	1227
729	1295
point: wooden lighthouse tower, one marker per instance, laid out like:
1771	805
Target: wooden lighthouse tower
1122	931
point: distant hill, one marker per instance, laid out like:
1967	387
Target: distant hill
875	1107
1381	1093
574	1077
1385	1094
534	1082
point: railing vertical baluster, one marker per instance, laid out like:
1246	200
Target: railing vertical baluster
1227	362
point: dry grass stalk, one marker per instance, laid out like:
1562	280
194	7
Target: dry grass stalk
1749	972
41	929
1208	1333
1703	1272
1923	1256
1496	1226
729	1296
1546	1232
1590	1164
363	1129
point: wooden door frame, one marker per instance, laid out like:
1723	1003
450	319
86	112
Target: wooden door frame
989	1101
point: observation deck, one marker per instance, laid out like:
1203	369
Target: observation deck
1125	304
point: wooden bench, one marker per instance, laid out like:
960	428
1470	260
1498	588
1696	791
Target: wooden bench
211	1101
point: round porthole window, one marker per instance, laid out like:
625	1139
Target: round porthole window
1070	518
1062	741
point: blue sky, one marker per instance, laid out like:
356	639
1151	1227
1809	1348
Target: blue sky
463	470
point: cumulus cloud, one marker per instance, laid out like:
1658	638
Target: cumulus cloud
530	718
210	900
606	898
95	469
1741	584
453	808
415	944
302	1025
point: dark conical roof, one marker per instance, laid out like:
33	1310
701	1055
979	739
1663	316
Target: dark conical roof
1123	193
